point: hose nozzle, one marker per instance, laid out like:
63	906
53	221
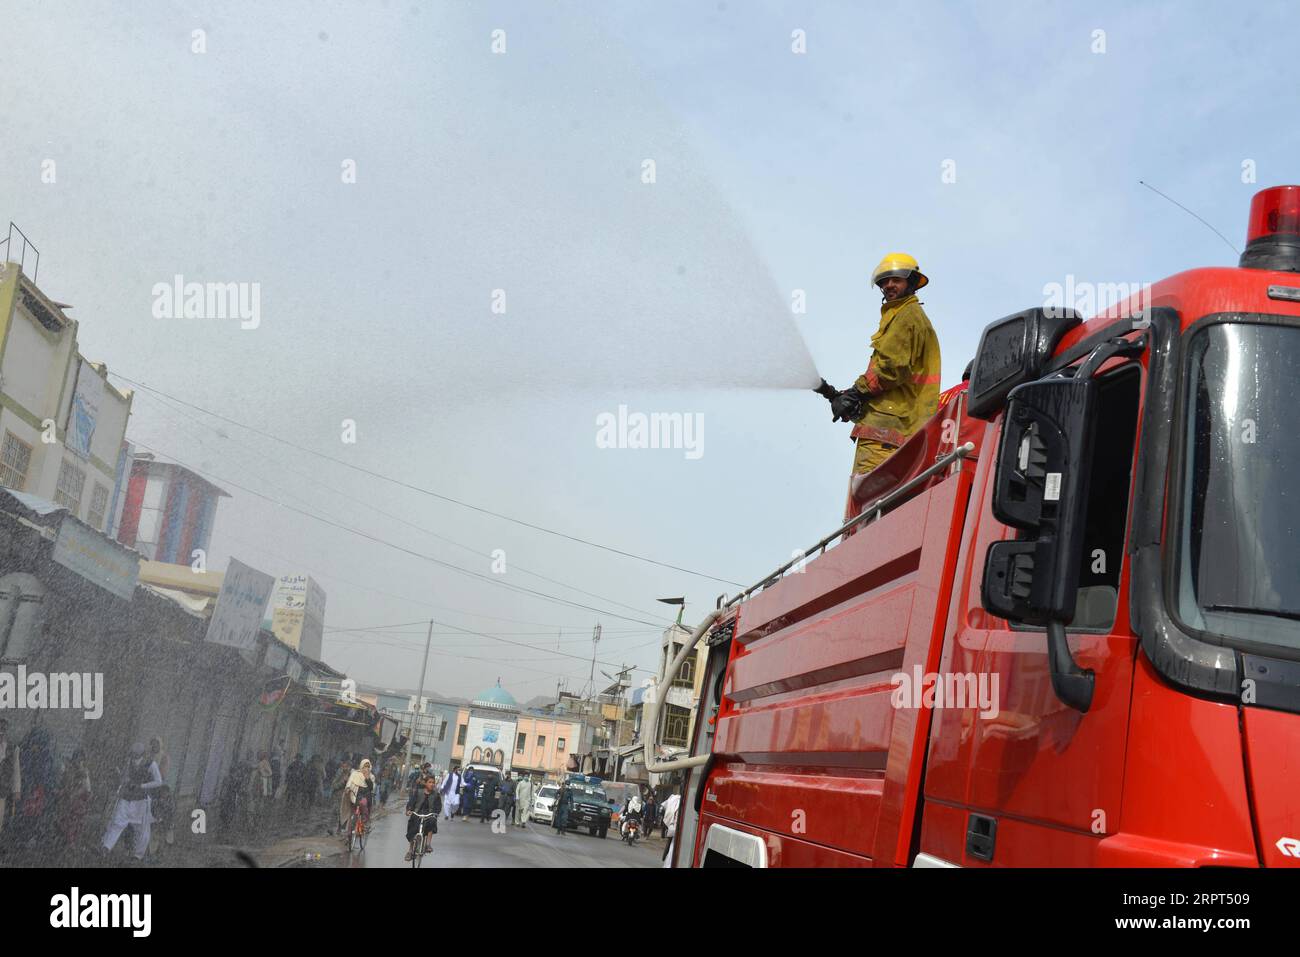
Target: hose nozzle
826	390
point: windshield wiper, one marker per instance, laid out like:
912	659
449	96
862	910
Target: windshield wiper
1247	610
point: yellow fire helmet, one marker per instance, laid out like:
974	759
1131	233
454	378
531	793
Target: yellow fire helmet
898	264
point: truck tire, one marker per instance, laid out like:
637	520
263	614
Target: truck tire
604	831
591	831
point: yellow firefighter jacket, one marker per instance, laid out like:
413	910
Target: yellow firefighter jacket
902	379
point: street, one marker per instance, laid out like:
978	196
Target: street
469	843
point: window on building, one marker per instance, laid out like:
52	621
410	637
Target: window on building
677	726
72	480
14	460
442	731
460	734
98	506
541	740
559	744
520	741
686	676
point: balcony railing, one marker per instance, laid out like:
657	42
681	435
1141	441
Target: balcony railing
8	246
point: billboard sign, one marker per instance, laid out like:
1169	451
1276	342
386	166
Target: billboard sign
237	617
298	614
84	411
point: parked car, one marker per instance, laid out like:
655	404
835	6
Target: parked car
544	804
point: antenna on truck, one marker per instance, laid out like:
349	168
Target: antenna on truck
1192	214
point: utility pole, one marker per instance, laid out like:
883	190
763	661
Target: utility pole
618	721
419	699
591	681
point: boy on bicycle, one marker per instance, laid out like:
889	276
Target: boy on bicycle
423	800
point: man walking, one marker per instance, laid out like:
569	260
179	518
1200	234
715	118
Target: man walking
649	813
489	786
467	782
295	782
140	779
560	816
900	388
670	822
523	800
508	788
450	793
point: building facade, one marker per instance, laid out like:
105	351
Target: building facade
493	730
677	705
62	424
168	513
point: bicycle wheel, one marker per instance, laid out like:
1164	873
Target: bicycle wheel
417	850
361	833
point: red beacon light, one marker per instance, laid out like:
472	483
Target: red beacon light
1273	231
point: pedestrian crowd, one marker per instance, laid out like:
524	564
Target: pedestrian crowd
43	801
46	799
258	793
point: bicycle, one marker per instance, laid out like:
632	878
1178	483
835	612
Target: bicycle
358	828
418	849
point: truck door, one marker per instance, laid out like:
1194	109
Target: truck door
1029	781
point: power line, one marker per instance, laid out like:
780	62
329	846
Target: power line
403	520
324	576
421	490
400	548
563	654
494	661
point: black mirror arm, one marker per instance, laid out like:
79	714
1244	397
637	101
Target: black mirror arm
1107	351
1072	684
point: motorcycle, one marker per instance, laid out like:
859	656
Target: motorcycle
631	831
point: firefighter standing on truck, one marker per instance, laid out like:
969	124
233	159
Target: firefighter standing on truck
900	389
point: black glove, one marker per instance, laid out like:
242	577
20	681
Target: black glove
827	391
847	406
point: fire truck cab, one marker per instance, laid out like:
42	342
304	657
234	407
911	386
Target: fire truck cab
1072	641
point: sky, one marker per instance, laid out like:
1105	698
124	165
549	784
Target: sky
477	231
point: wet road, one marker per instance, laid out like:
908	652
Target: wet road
461	843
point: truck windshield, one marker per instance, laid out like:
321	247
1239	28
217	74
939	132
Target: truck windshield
1240	538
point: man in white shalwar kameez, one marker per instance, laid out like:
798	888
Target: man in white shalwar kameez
523	800
140	779
450	794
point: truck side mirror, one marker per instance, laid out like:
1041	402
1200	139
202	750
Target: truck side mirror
1040	486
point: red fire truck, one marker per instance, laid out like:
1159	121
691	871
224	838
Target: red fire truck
1067	635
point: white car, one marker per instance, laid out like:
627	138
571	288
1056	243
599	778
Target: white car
544	804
